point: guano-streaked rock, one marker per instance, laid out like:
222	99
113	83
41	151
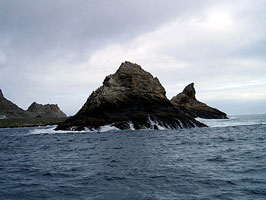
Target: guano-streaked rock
130	98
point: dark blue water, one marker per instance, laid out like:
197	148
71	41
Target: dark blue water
200	163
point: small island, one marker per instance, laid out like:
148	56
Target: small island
36	115
131	98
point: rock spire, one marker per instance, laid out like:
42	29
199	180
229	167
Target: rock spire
187	101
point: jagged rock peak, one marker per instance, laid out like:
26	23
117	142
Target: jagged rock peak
130	76
190	91
34	104
128	67
188	95
48	110
188	102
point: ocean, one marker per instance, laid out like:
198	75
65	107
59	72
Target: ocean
224	161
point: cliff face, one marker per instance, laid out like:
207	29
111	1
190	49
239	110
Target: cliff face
187	101
9	109
129	98
46	111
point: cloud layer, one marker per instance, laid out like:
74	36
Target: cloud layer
59	51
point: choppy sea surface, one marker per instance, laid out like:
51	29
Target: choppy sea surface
224	161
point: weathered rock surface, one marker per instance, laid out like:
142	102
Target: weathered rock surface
48	110
130	98
9	109
187	101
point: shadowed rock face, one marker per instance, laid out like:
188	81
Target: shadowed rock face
129	98
48	111
1	94
9	109
187	101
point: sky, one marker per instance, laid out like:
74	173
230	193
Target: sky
59	51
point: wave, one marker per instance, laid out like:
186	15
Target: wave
106	128
236	120
239	120
51	130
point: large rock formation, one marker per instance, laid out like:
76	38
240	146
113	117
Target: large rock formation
9	109
48	111
187	101
130	98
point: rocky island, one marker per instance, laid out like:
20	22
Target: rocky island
187	101
48	111
129	99
36	115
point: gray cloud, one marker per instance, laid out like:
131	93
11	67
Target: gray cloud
66	23
58	51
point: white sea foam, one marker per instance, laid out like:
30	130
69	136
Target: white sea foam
108	128
194	125
131	125
239	120
51	130
160	127
43	130
232	121
181	124
156	123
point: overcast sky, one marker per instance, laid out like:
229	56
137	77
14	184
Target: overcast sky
59	51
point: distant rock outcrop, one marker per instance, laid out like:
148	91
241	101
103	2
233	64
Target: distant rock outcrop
37	115
130	98
48	111
9	109
187	101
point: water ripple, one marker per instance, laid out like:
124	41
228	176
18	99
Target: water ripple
196	164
